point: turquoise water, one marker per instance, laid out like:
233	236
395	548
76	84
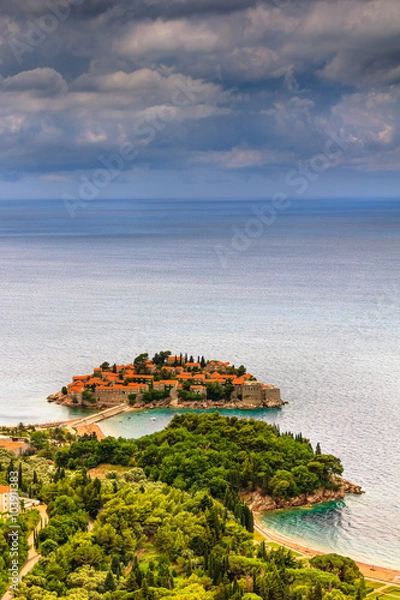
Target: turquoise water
331	527
139	423
343	526
312	305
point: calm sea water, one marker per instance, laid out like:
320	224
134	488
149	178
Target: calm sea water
310	303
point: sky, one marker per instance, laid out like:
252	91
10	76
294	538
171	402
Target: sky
199	98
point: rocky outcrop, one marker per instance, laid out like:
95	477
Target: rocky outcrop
258	503
59	398
274	403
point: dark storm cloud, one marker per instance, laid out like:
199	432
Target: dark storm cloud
248	84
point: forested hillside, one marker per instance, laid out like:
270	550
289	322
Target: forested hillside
220	454
151	541
164	519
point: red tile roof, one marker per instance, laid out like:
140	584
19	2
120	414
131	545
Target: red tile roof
11	446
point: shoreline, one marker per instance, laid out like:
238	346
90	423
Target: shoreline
369	570
100	415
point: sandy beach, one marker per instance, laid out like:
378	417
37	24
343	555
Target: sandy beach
369	571
90	429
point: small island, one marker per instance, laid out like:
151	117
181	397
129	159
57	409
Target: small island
169	381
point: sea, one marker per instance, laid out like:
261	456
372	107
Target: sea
304	293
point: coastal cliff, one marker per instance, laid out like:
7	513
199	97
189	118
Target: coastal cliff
259	503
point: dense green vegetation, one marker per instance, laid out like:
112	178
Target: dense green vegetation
7	553
167	521
153	541
220	454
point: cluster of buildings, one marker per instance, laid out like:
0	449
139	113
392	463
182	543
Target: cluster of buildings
110	386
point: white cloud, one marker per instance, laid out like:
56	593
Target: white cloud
373	116
160	38
40	81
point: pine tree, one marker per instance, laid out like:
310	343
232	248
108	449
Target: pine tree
318	449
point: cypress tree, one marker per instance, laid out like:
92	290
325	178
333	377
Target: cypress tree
20	481
10	468
255	586
263	551
109	583
115	566
131	582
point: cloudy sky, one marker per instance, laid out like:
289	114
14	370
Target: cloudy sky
199	98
